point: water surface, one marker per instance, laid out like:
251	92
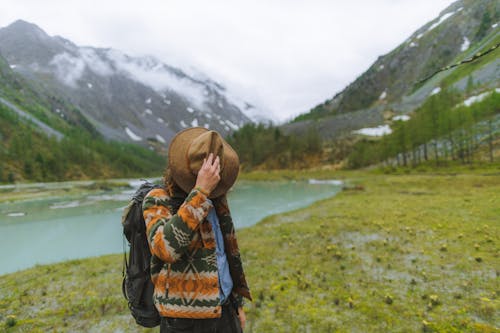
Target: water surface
47	228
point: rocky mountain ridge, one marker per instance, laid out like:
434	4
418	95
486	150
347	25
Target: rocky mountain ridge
389	87
125	98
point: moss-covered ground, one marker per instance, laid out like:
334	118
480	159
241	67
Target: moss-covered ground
391	253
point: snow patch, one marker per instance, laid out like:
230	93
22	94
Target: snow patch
402	117
232	125
183	124
167	101
383	95
375	131
435	91
413	44
478	98
160	120
148	111
208	115
441	20
420	35
494	25
132	135
160	139
194	123
381	67
89	85
13	66
190	109
148	101
227	128
219	104
465	44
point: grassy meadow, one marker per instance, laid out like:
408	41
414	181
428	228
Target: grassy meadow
414	252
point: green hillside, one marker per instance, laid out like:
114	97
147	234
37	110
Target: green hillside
469	30
29	154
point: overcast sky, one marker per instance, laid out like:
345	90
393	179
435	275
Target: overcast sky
284	56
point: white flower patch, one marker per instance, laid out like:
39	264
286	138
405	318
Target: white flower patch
132	135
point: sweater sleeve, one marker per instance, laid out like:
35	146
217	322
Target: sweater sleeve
169	236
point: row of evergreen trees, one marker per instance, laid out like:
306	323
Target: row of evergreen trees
269	147
440	130
28	155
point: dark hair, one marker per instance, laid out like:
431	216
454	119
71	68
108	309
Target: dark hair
170	186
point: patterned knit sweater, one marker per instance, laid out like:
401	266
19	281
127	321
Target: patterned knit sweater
184	264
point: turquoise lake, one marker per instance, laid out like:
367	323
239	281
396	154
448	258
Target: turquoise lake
61	227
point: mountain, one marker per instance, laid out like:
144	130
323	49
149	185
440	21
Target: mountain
390	86
134	99
37	144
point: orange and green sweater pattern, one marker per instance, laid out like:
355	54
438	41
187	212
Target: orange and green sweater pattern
184	264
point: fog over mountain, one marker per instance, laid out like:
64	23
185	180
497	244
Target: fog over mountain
136	99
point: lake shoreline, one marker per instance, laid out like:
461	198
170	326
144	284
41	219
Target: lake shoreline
418	251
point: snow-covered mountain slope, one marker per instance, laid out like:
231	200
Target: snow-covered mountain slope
126	98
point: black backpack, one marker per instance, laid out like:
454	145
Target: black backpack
137	286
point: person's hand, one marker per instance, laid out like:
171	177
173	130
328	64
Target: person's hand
242	317
209	174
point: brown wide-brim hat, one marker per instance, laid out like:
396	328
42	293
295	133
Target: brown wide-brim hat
186	152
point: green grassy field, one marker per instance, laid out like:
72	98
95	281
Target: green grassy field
391	253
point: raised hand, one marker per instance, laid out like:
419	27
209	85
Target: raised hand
209	174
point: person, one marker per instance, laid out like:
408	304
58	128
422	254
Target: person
196	269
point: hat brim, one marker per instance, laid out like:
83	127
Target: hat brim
178	163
